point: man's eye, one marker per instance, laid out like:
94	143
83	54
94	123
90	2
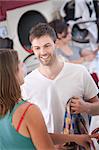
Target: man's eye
36	48
47	45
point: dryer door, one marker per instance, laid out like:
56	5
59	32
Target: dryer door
26	22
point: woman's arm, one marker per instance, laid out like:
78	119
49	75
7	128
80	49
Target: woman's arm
86	52
83	140
78	61
40	137
89	55
86	56
37	129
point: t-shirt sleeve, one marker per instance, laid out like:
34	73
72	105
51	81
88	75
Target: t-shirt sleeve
90	88
24	92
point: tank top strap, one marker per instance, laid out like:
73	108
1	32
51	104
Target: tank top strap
22	117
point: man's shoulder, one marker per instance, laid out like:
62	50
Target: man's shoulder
74	69
74	66
31	75
29	81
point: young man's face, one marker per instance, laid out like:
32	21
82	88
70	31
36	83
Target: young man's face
44	49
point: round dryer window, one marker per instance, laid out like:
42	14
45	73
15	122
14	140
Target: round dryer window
26	22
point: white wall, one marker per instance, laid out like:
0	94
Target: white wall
4	32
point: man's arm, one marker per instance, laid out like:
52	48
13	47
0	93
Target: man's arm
93	106
78	105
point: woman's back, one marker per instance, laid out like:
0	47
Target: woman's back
10	139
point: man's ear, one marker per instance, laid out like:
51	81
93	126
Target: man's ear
55	44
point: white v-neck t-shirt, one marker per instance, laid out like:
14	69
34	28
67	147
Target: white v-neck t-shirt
52	95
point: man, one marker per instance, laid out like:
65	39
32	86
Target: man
54	82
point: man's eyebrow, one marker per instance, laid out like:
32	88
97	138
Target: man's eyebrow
47	43
43	45
35	46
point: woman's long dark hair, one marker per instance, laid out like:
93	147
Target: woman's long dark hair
9	86
59	26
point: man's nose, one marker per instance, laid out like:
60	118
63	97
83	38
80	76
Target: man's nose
43	51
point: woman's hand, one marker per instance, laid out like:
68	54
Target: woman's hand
60	147
84	140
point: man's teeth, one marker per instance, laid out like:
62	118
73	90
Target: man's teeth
44	57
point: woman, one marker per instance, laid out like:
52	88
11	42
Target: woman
21	123
19	126
65	47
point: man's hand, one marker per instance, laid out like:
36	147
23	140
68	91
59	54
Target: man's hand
78	105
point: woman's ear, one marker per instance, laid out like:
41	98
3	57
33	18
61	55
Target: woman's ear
59	35
57	43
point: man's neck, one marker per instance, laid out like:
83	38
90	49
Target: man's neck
52	71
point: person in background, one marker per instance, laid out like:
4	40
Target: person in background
66	48
56	82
